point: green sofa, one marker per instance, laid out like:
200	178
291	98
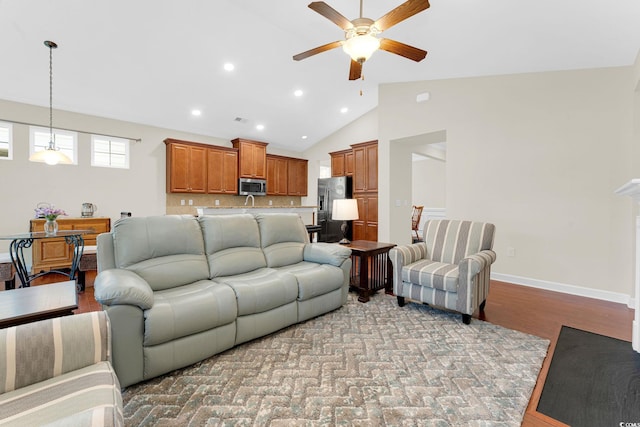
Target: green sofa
179	289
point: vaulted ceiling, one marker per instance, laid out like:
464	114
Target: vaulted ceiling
154	61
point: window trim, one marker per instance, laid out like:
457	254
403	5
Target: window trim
127	153
73	135
9	126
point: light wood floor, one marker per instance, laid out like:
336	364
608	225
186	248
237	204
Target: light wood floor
534	311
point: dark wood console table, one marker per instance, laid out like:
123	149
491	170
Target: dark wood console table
25	305
371	269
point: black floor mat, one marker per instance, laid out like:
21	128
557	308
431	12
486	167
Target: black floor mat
593	380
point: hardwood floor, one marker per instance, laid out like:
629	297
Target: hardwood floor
534	311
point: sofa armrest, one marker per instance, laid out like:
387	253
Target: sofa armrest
326	253
38	351
405	255
122	287
474	264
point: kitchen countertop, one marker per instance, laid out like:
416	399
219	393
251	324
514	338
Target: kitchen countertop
258	207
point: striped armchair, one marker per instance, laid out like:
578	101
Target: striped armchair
57	372
450	269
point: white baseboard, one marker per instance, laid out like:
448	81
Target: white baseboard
566	289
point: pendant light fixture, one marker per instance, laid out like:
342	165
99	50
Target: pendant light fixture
51	155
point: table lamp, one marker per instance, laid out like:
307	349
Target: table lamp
345	210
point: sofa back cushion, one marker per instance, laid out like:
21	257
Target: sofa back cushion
166	251
282	237
232	244
450	241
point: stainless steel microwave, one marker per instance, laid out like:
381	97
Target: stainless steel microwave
255	187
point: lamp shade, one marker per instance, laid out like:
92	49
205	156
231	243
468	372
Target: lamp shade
361	47
51	156
345	209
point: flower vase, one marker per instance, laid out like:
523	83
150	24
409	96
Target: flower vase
50	227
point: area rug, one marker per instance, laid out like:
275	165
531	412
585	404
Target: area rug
367	364
593	380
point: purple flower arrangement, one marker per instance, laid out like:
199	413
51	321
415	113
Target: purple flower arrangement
49	213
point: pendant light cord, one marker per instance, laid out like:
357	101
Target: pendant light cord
51	45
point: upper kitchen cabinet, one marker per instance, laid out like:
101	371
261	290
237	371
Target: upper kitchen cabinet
297	182
277	175
342	163
186	167
222	175
365	165
252	158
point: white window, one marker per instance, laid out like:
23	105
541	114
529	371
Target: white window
109	152
6	141
65	141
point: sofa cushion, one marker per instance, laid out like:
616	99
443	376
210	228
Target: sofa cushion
315	279
88	394
282	238
432	274
262	290
232	244
166	251
188	309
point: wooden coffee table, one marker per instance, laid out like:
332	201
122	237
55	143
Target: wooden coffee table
371	269
24	305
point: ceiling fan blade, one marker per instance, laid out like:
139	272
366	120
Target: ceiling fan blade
402	49
331	14
400	13
355	71
317	50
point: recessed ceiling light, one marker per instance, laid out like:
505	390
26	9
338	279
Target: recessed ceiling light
344	110
196	113
260	127
229	66
298	92
304	136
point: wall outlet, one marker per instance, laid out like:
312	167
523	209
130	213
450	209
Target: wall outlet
217	202
182	202
190	202
270	202
511	251
398	203
292	203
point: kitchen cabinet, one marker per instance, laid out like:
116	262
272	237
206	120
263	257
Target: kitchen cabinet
342	163
297	177
252	161
56	253
365	190
277	175
222	171
365	166
186	167
366	226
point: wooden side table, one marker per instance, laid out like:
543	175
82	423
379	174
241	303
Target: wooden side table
24	305
371	269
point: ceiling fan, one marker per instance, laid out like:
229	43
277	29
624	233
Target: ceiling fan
360	34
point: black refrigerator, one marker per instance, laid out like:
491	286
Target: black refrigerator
330	189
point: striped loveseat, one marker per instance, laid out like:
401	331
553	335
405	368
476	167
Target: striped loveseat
57	372
449	269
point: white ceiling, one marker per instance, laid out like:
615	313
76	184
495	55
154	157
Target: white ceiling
153	61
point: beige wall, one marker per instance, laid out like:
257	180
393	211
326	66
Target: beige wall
428	179
539	155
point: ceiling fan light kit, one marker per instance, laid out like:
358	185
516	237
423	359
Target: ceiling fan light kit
361	39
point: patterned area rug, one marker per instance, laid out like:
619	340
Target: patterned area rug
363	365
